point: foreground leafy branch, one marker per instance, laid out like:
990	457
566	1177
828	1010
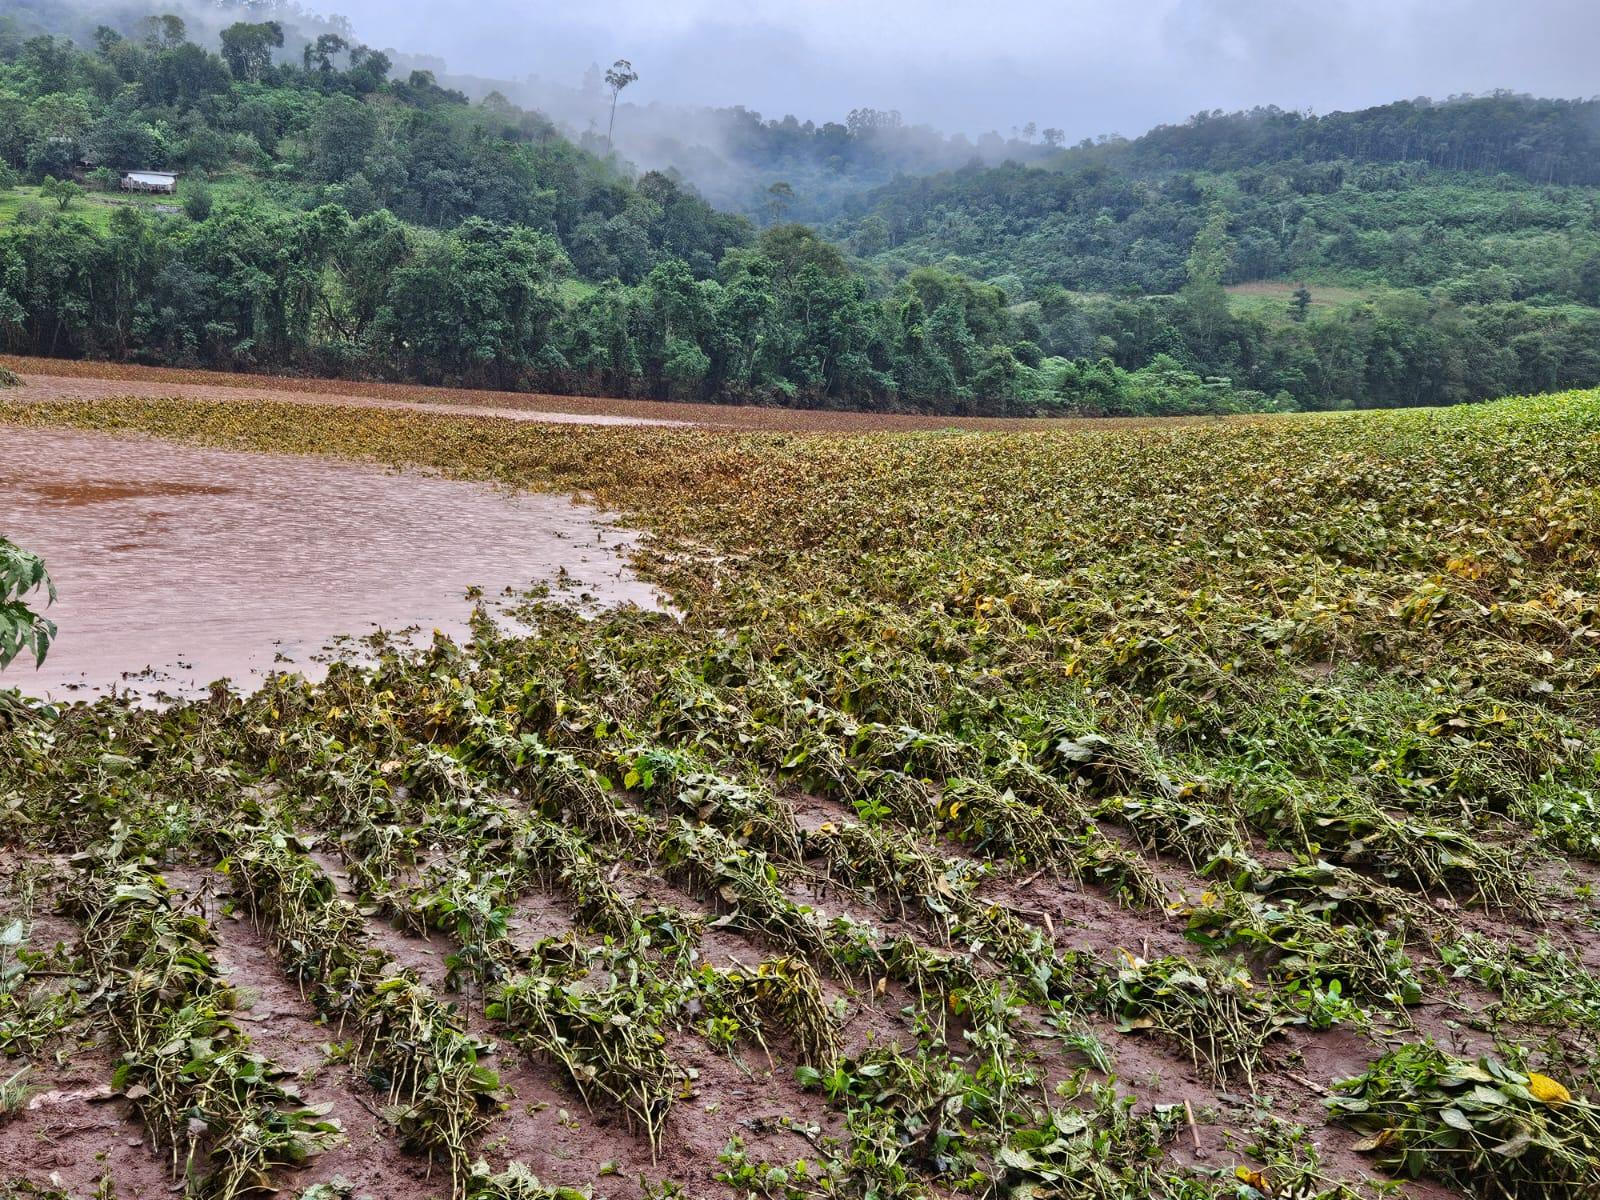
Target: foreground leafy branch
21	628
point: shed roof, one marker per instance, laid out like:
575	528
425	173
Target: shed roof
151	176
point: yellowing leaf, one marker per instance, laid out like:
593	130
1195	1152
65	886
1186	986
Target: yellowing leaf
1378	1141
1547	1090
1253	1178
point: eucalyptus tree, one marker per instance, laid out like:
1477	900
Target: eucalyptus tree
618	77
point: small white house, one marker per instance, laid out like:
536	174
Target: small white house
150	181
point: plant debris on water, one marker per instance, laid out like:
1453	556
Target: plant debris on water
1189	812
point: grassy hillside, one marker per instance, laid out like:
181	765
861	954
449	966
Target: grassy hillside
1272	298
1243	770
95	211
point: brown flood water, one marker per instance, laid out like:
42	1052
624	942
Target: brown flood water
177	565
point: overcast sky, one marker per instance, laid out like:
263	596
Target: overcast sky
1087	66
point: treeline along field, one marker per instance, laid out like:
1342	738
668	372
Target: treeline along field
1010	791
334	218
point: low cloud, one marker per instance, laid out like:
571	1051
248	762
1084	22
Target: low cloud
1086	66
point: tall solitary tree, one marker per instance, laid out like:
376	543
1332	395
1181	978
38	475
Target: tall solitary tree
165	32
618	77
247	48
321	53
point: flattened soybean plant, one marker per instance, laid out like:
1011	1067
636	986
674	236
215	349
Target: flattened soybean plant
1201	811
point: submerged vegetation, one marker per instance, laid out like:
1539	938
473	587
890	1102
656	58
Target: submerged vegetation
1184	812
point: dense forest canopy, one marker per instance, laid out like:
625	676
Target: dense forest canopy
1408	206
79	20
733	155
339	215
1094	229
1469	229
1544	141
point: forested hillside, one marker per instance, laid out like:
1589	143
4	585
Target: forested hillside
334	219
1469	232
336	216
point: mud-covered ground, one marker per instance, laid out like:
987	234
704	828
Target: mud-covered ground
71	379
1204	812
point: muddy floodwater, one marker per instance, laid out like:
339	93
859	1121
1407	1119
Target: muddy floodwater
177	565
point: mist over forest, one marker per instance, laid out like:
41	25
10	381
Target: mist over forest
731	153
596	227
737	102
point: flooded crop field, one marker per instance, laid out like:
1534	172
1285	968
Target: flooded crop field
47	380
70	381
176	566
1201	814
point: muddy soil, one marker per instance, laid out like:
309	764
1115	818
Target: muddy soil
284	391
63	379
72	1132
